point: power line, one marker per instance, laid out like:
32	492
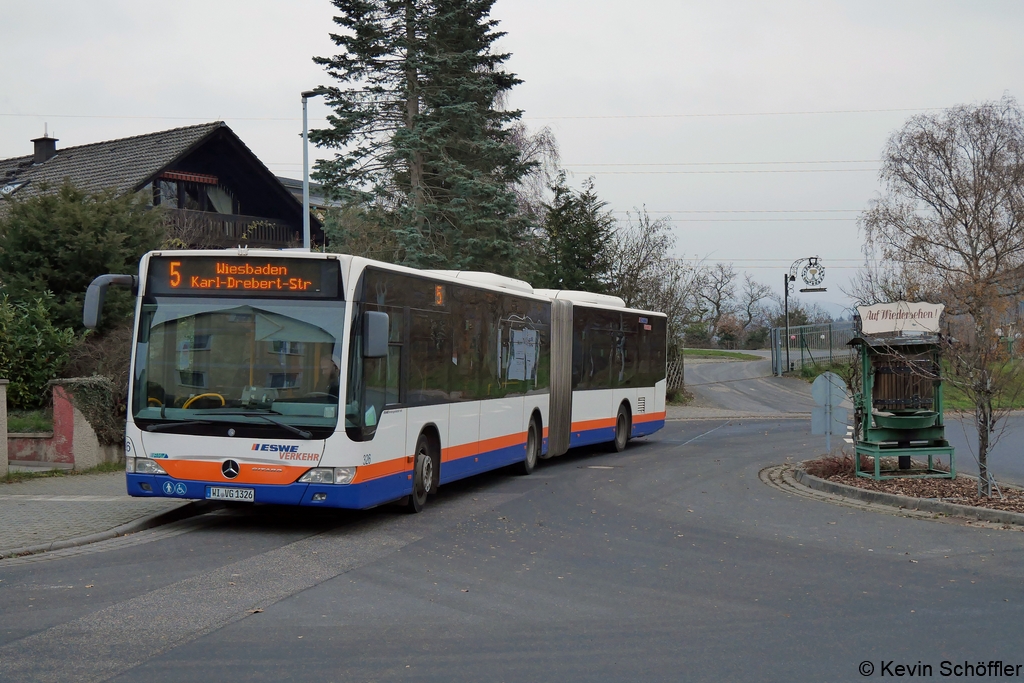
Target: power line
753	220
526	118
742	211
158	118
779	260
732	163
762	170
723	115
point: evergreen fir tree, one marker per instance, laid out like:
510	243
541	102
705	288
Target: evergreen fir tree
418	132
579	234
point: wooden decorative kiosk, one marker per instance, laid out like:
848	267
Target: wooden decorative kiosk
898	409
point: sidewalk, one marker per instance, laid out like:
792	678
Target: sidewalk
45	511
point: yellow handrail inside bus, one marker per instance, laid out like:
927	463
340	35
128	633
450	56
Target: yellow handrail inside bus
207	395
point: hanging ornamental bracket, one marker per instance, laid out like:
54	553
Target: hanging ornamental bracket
812	273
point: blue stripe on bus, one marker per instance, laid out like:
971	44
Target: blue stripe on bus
591	436
481	462
649	427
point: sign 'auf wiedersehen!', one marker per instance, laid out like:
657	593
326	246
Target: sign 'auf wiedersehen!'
900	316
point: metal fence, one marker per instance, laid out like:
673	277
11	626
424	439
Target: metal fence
822	344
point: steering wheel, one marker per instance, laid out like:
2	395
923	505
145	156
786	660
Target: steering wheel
153	401
206	395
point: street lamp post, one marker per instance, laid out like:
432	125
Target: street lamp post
812	274
305	169
785	305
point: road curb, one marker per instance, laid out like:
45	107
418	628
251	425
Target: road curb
907	502
148	522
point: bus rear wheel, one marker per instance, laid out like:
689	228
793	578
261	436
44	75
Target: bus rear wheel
621	430
532	449
422	475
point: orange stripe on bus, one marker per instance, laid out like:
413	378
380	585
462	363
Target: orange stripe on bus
468	450
585	425
648	417
248	473
385	468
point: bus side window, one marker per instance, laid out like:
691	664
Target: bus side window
430	353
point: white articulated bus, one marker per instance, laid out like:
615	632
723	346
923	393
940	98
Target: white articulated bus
320	379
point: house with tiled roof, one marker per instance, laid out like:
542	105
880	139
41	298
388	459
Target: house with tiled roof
204	176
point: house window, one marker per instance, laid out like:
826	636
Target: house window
194	192
165	193
284	380
188	378
288	348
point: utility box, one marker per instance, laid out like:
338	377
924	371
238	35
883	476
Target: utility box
898	410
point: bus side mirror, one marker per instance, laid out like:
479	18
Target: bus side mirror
97	292
375	334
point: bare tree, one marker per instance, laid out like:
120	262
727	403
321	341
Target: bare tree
952	215
539	148
881	281
645	276
719	293
751	296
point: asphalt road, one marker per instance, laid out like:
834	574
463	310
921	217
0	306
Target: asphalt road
746	386
671	561
1005	460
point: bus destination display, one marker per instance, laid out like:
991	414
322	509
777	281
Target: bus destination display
244	276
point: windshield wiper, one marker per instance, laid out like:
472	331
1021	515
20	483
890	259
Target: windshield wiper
284	425
171	425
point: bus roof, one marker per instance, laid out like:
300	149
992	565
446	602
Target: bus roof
487	279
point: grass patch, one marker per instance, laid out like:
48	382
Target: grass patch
678	397
103	468
716	353
21	421
1011	399
811	372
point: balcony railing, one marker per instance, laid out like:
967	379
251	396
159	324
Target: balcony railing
202	229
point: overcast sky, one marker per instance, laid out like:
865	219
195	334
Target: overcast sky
755	126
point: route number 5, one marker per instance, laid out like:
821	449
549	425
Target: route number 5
175	275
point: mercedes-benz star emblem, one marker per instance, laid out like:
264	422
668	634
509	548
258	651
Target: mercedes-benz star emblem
229	469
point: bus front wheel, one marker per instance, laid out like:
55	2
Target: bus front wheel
422	475
621	430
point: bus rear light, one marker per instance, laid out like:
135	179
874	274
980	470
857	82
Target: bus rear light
147	466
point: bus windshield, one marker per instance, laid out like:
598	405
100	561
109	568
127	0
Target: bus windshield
259	366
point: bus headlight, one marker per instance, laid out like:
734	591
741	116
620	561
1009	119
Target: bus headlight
344	475
318	475
147	466
129	464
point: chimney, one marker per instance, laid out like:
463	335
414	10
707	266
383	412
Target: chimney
46	148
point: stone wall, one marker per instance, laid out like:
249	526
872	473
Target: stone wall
73	441
3	427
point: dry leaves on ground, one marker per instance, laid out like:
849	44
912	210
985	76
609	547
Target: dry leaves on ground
962	490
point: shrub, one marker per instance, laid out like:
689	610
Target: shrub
829	466
60	240
106	354
32	349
